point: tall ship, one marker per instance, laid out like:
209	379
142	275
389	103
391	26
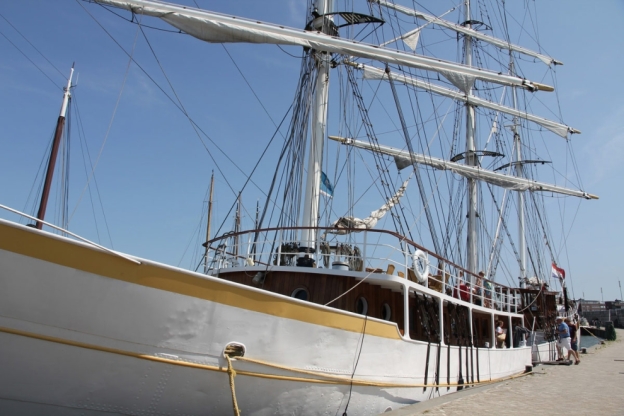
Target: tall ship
401	252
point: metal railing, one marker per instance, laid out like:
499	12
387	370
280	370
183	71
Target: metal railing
368	251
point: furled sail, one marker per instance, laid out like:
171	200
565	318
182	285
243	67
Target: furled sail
515	183
345	223
557	128
214	27
470	32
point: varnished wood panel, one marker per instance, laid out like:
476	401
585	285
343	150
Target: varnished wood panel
482	329
324	288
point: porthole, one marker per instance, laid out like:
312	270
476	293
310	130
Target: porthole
301	294
386	312
361	306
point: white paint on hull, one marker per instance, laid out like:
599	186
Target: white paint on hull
47	299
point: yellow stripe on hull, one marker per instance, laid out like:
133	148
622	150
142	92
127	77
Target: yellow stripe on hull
46	247
320	378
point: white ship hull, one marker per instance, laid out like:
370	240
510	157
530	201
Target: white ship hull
543	350
89	332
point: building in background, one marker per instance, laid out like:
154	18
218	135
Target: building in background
591	306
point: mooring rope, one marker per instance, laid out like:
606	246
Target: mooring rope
590	333
324	377
232	374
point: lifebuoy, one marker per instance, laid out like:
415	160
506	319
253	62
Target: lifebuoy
420	265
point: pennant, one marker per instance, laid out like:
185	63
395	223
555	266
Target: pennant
558	273
411	39
326	187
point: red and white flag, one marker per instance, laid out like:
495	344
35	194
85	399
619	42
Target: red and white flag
557	272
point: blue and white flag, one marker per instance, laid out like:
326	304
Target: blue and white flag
326	187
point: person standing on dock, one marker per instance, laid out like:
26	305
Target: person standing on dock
573	341
564	337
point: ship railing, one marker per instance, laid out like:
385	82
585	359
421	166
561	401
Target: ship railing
368	251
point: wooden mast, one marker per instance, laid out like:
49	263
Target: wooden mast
60	123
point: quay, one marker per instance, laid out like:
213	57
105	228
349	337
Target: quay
593	331
594	387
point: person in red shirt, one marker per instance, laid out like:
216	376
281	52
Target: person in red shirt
464	290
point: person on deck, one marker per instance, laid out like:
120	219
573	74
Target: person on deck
501	335
564	337
478	290
465	292
462	290
573	341
487	291
519	335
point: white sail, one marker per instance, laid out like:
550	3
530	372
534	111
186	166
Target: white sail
470	32
557	128
213	27
515	183
344	223
410	38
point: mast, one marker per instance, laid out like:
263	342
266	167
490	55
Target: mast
256	227
519	174
319	127
60	124
471	160
257	223
237	227
208	222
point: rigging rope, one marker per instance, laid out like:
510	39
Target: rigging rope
30	60
415	168
85	150
225	155
110	123
388	187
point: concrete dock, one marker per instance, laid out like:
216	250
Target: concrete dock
594	387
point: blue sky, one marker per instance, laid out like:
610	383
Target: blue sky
153	171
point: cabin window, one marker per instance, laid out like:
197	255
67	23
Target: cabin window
301	294
386	312
361	306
